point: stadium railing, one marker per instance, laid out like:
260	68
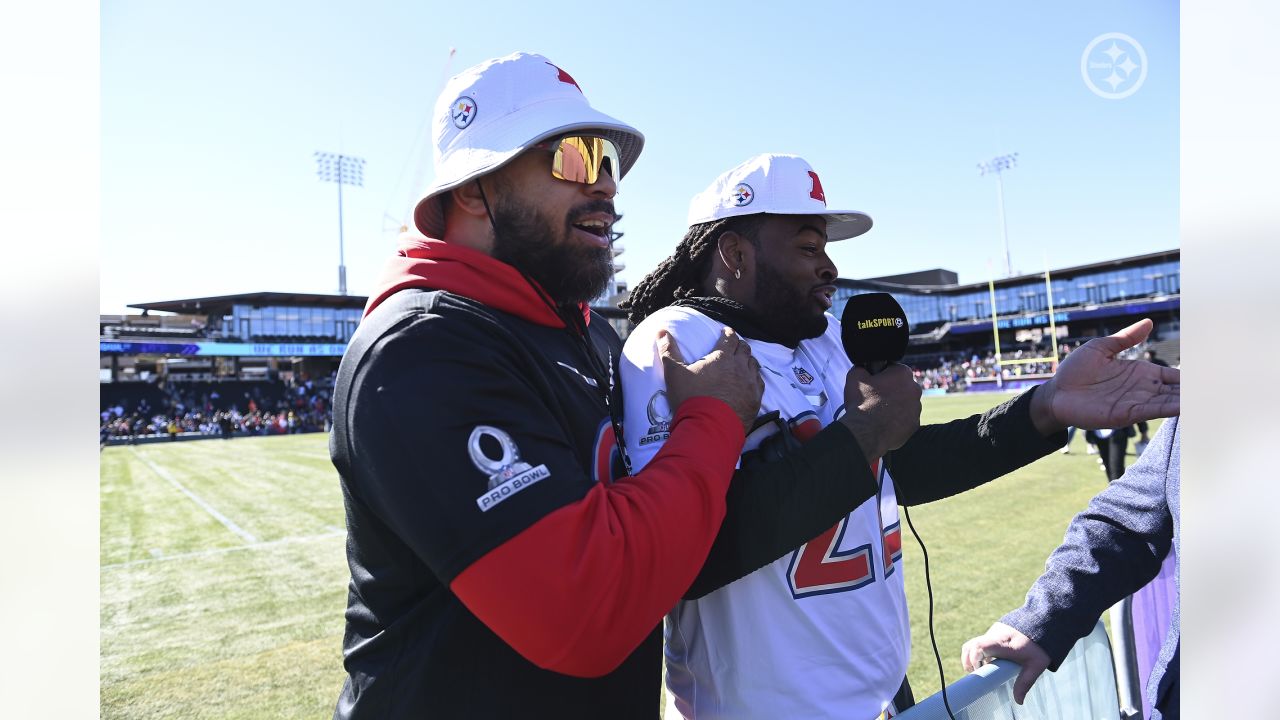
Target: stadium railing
1083	688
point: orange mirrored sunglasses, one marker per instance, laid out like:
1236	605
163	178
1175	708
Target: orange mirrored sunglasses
580	158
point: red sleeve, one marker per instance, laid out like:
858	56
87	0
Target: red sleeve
577	591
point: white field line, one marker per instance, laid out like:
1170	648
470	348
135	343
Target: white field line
222	551
196	499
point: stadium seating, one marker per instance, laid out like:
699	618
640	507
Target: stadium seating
1169	350
130	395
220	394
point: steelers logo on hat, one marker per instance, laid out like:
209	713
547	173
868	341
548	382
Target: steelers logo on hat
742	195
463	111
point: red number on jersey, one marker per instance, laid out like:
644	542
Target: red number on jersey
892	547
819	568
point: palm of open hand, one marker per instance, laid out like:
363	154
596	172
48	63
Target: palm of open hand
1094	389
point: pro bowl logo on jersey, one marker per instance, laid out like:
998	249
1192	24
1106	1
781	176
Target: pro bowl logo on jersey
742	195
659	414
463	112
508	474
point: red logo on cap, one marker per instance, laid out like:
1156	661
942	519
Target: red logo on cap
817	193
565	77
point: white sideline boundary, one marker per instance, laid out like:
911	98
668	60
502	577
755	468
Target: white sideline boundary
226	522
223	551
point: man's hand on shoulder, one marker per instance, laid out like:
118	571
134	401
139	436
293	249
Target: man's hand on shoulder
882	410
728	373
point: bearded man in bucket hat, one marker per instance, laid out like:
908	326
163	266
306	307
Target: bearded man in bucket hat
800	609
504	561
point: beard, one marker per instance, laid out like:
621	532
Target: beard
787	313
569	271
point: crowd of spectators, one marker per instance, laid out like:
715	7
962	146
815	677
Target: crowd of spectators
299	405
953	374
226	409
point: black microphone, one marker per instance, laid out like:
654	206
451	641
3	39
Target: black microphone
874	330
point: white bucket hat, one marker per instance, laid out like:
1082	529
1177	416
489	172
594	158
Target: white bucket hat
778	185
490	113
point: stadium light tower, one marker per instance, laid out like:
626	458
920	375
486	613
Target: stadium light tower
997	165
343	170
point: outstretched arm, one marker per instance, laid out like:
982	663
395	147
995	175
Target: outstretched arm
1092	389
946	459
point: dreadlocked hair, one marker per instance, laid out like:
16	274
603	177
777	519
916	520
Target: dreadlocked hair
680	276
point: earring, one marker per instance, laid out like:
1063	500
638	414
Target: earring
737	274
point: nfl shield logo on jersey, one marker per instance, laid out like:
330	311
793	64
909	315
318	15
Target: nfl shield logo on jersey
802	375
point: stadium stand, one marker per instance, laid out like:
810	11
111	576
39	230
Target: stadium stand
951	320
255	363
143	411
187	351
1169	350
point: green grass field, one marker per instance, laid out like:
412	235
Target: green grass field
223	578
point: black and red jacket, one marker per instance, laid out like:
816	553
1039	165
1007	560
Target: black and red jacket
501	566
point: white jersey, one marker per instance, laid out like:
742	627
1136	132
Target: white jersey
822	631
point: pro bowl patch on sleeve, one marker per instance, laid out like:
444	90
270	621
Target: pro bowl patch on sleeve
508	475
659	414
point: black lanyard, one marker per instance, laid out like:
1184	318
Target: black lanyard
576	324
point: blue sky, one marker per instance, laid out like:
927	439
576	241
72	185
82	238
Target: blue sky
211	113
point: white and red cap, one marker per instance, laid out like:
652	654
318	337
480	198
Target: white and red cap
778	185
490	113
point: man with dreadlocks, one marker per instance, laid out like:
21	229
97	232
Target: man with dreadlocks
502	563
800	609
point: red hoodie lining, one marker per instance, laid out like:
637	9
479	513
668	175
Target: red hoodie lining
422	262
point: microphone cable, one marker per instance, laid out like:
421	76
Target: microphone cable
873	326
937	656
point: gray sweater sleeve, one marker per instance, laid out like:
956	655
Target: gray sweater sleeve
1111	550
